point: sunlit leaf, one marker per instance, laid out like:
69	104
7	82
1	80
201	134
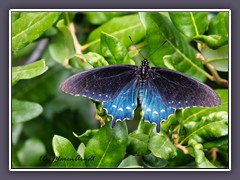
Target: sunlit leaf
65	154
24	111
28	71
31	26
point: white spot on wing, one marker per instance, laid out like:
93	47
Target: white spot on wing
100	95
114	106
128	108
120	109
155	112
148	109
162	110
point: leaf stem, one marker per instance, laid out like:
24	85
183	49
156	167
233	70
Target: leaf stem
215	77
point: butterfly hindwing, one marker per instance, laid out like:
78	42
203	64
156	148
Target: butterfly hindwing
100	84
180	91
123	106
153	107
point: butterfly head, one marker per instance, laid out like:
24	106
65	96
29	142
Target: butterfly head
145	63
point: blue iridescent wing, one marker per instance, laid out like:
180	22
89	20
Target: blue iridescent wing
153	107
180	91
101	84
123	106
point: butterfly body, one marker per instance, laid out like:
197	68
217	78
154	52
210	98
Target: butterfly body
160	91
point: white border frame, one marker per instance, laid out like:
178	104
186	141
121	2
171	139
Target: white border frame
116	10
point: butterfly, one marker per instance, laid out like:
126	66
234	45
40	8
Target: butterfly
160	91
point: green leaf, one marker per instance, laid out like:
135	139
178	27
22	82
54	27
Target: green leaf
66	155
31	26
28	71
16	132
107	147
210	127
121	28
81	150
190	23
87	61
15	16
200	159
85	137
130	162
61	47
218	58
98	18
217	31
113	50
161	146
41	88
23	111
30	153
220	143
213	41
138	139
219	25
159	29
154	162
138	143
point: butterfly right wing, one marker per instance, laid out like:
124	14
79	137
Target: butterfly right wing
100	84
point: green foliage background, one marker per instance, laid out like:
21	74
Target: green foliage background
51	129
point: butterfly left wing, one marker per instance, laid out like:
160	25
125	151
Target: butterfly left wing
100	84
180	91
123	106
153	107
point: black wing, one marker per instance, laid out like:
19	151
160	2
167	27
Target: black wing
101	84
179	91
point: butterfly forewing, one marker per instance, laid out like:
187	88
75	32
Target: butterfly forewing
179	91
101	84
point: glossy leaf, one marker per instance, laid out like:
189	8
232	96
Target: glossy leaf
190	23
211	127
65	154
213	41
87	61
171	42
61	47
31	26
200	159
130	162
217	31
28	71
121	28
113	50
218	58
161	146
138	143
26	156
98	18
138	139
154	162
85	137
110	152
23	111
41	88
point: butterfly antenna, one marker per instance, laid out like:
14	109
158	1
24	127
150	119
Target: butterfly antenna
157	49
136	47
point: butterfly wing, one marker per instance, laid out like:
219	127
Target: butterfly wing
101	84
123	106
180	91
153	107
